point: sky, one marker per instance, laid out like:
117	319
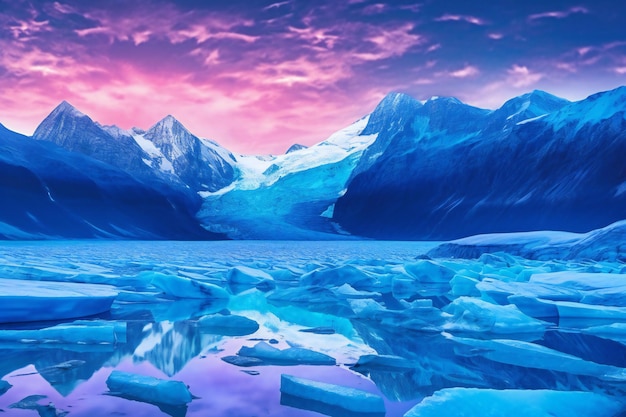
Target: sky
257	76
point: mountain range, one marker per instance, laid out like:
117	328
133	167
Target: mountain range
436	169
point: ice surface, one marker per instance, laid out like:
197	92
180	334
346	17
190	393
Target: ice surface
149	389
472	402
350	399
22	301
181	287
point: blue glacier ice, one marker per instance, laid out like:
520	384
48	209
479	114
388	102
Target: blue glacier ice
271	355
78	332
45	300
478	316
472	402
181	287
350	399
149	389
228	325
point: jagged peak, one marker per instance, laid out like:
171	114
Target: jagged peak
168	123
445	99
66	108
295	147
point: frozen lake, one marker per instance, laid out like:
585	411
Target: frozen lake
456	334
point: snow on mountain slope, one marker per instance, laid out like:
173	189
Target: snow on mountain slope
49	192
200	164
284	196
538	162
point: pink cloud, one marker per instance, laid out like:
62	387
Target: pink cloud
390	42
467	71
521	77
559	14
495	36
461	18
375	8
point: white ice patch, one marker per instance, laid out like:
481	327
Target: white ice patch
524	107
148	147
532	119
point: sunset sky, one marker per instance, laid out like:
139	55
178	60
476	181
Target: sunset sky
257	76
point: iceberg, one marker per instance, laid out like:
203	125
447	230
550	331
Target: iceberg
179	287
242	278
473	402
24	301
350	399
149	389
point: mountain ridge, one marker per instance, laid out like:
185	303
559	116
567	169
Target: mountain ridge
431	169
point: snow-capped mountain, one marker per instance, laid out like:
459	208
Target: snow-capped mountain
49	192
74	131
201	164
538	162
167	151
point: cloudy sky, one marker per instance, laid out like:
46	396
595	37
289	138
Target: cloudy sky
258	75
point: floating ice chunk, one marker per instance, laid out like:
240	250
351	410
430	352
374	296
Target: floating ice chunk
334	277
615	296
473	402
349	399
289	356
475	315
4	386
535	307
227	325
500	291
180	287
531	355
614	331
580	280
81	332
22	301
384	363
429	272
148	389
347	291
464	285
243	277
311	298
243	361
